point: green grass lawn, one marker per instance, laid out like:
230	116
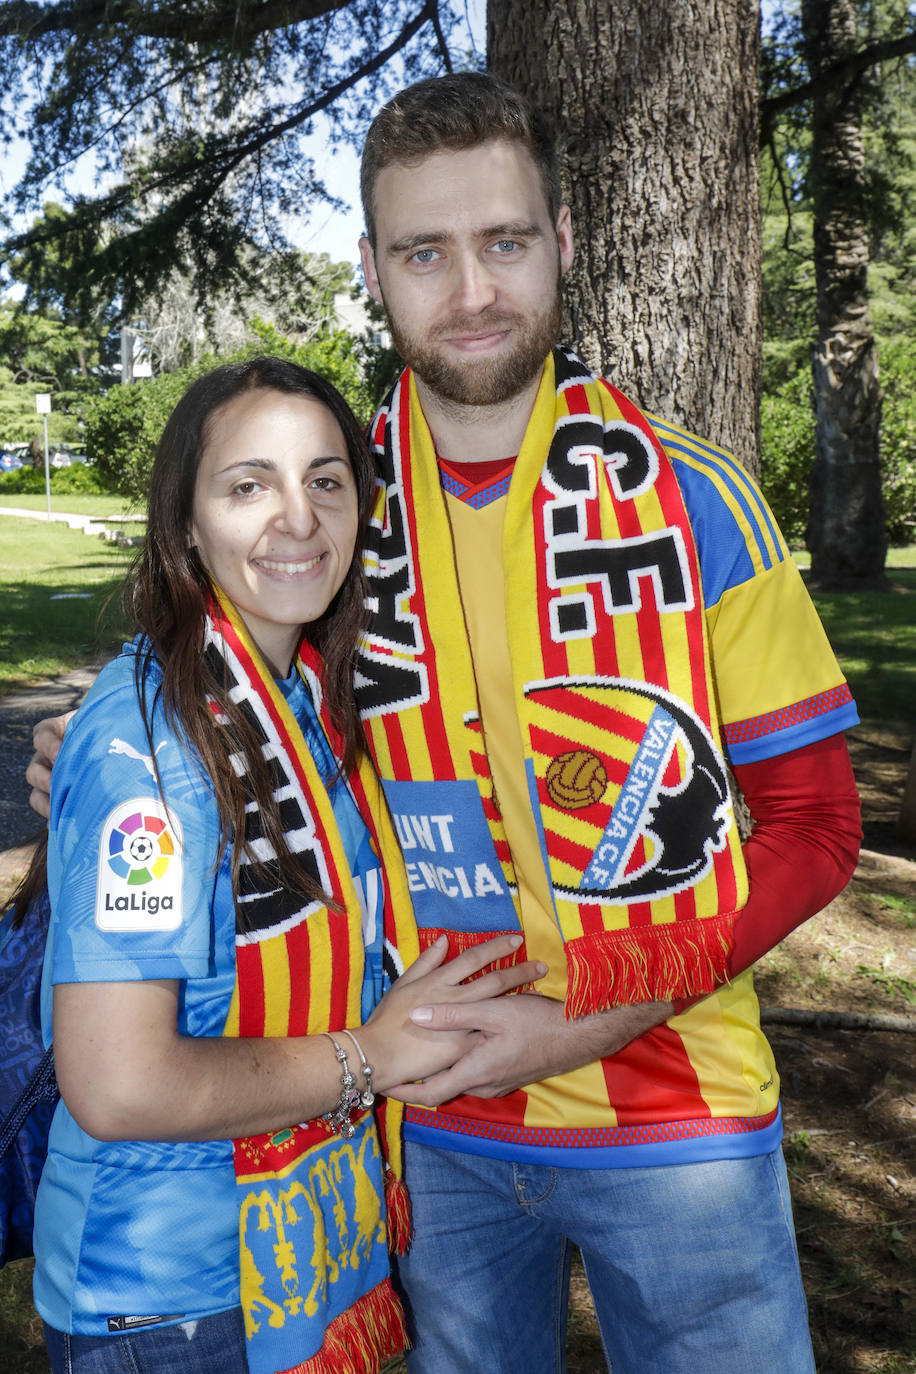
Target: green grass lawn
54	583
72	503
22	1347
874	636
896	558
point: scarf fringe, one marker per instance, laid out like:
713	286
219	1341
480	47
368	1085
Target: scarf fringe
647	964
362	1338
397	1206
460	940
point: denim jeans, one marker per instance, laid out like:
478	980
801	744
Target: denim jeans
693	1268
210	1345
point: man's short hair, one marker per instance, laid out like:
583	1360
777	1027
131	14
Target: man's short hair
449	114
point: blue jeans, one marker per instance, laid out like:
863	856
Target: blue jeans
693	1267
210	1345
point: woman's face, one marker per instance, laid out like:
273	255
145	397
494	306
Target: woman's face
275	514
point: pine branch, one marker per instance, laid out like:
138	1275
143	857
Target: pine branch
200	24
839	73
440	36
202	176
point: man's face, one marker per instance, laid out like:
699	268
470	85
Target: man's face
468	264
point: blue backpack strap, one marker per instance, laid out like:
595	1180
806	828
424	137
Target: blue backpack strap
41	1087
28	1088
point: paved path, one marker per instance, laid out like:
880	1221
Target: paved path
76	522
19	711
108	527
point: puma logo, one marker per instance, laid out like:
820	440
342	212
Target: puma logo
120	746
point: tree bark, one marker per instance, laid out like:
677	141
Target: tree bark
655	109
846	524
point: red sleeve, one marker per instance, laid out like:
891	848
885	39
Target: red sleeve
804	845
802	850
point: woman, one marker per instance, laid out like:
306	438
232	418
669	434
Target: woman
219	906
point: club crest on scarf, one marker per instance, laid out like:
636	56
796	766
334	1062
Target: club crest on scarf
638	814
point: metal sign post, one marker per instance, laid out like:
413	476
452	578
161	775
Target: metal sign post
43	406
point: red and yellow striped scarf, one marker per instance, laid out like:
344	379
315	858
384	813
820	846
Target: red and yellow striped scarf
318	1214
612	686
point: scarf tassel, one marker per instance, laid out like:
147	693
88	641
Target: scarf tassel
397	1207
647	964
460	940
361	1338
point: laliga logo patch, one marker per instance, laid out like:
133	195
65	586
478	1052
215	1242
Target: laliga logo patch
139	882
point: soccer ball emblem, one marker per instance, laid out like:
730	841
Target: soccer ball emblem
141	849
576	779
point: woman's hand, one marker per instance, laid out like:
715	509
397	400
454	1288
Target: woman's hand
399	1050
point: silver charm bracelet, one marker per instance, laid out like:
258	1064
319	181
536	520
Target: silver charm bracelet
367	1096
338	1118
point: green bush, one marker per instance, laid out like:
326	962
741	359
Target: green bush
123	428
787	444
22	482
78	477
783	359
124	425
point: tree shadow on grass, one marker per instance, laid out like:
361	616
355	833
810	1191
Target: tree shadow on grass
850	1158
67	620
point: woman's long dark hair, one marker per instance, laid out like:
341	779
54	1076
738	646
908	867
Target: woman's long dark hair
168	591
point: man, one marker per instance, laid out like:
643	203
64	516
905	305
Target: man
573	608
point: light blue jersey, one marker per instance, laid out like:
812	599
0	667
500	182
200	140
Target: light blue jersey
130	1233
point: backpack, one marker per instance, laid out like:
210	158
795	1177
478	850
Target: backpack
28	1087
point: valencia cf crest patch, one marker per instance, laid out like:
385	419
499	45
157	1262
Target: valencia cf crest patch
639	814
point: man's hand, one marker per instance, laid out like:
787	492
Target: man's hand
522	1040
47	738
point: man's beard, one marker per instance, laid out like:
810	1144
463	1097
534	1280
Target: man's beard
482	381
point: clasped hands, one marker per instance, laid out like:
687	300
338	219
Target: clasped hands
487	1044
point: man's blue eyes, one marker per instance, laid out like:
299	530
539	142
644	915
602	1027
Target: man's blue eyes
427	255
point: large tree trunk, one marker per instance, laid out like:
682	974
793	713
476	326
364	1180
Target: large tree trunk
655	108
846	525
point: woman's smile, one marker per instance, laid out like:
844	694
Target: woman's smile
288	567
